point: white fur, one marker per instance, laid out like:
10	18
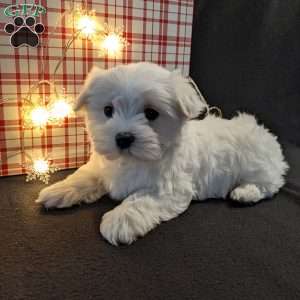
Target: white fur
173	160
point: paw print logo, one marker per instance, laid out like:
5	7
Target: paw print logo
24	32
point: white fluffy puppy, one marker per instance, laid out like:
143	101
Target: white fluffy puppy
148	150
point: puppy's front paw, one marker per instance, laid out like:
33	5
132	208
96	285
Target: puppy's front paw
121	225
58	195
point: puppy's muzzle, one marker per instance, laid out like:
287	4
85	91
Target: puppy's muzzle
124	140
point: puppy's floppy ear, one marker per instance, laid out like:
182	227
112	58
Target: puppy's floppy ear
87	88
188	99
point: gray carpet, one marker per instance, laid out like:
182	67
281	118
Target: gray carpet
213	251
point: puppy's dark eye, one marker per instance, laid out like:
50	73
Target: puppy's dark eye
151	114
108	111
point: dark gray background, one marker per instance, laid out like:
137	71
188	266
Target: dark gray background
246	56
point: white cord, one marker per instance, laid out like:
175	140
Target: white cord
210	109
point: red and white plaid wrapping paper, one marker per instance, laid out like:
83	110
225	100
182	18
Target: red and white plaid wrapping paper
157	31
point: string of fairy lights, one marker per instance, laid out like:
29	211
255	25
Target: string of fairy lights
39	112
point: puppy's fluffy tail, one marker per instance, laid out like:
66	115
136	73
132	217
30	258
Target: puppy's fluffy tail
262	152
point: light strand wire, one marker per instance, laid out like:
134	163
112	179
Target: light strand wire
32	88
210	109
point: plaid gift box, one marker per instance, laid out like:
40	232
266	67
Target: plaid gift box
157	31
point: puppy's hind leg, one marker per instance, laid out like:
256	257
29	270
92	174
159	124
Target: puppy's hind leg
247	193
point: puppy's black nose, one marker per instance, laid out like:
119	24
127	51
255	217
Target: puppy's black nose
124	139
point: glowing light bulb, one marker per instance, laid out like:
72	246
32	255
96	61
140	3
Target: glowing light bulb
39	116
41	166
87	26
60	109
112	44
